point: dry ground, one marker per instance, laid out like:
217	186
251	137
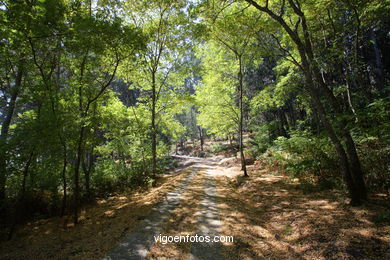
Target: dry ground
267	214
102	227
270	218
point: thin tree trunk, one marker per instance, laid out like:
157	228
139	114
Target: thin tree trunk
240	130
64	183
4	131
19	208
76	191
154	141
377	64
25	174
201	137
87	166
282	122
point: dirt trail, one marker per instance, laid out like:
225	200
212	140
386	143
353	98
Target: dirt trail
268	215
208	224
137	244
140	243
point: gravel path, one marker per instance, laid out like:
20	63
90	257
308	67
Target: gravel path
209	224
137	244
140	241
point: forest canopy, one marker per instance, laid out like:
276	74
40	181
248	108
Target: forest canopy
96	96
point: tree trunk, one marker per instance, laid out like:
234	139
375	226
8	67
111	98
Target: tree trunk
154	136
282	122
25	174
355	165
64	183
377	64
240	128
352	159
201	138
4	131
87	164
19	207
354	192
76	191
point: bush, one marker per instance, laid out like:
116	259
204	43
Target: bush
374	155
260	141
382	218
225	148
309	158
313	159
111	176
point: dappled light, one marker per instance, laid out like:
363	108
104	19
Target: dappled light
194	129
281	222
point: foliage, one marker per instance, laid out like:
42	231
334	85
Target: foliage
306	156
215	97
94	95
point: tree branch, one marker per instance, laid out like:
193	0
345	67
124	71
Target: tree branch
293	60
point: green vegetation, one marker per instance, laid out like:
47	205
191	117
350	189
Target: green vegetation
97	95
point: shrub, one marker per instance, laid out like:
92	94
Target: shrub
374	155
260	141
226	148
309	158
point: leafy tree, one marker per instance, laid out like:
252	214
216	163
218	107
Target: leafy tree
215	96
235	27
298	30
159	66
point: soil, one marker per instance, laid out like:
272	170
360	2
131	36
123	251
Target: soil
267	214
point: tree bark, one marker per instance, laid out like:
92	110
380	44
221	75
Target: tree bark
345	169
19	207
87	164
76	192
201	137
240	104
5	129
154	136
64	182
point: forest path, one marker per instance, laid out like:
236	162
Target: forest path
269	215
188	210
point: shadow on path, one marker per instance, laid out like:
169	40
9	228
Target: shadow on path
137	244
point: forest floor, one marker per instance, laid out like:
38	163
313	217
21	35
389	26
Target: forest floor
267	214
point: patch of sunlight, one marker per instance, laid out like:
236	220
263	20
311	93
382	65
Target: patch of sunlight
317	202
69	225
122	206
122	198
365	232
261	232
330	206
109	213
